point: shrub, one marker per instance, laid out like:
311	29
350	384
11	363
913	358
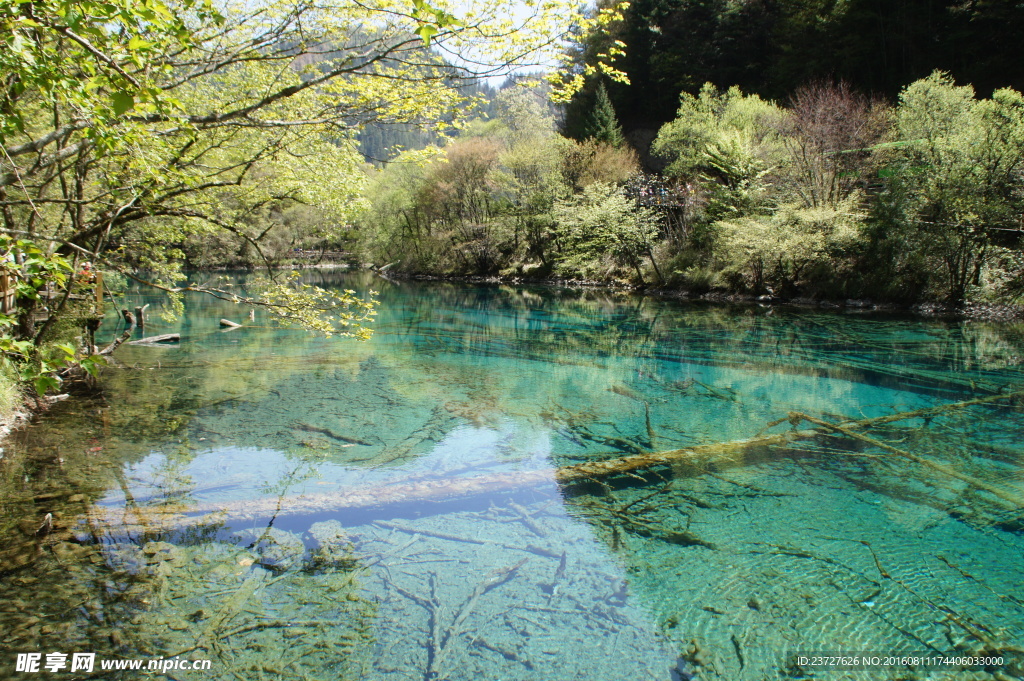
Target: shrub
603	222
776	252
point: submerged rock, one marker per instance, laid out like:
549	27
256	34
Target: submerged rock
127	558
332	546
276	550
63	551
161	551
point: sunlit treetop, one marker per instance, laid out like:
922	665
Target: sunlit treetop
127	59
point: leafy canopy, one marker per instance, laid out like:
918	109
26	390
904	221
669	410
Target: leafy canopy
131	128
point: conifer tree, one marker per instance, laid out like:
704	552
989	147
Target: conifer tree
602	124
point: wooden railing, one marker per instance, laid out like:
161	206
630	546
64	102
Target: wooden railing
9	293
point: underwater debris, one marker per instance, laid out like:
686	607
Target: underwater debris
538	550
698	458
276	549
525	517
439	638
331	434
332	547
431	430
1015	501
625	391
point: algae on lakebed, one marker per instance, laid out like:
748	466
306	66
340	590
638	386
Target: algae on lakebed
206	601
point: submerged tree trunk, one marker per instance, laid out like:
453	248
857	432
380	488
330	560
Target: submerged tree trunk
130	319
689	461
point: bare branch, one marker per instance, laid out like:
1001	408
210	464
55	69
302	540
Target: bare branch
42	142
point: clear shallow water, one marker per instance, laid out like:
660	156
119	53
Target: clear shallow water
287	506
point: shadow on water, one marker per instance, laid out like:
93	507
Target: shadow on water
288	506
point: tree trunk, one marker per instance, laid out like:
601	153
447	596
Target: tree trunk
128	317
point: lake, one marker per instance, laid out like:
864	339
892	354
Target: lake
529	483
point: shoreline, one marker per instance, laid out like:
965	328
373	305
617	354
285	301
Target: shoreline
15	420
970	311
25	413
987	312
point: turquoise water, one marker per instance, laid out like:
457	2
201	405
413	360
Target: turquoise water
293	507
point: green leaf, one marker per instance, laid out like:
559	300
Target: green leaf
426	31
445	20
92	363
69	352
122	102
137	43
44	383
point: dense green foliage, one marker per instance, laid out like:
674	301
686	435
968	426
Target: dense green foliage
837	197
490	202
833	196
773	48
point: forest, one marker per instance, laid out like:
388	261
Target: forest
798	150
807	150
832	195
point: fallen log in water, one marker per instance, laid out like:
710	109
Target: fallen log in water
130	319
687	461
153	340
